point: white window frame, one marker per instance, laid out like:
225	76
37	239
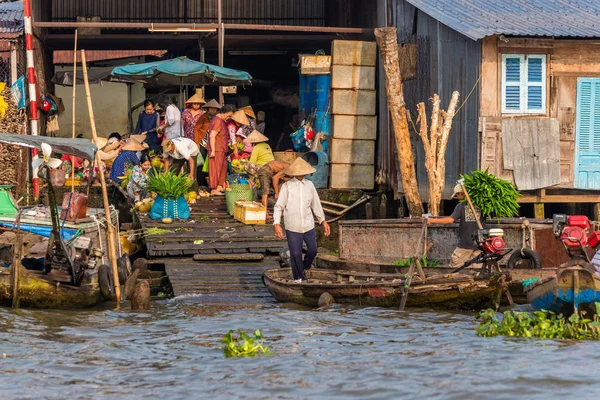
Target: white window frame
524	83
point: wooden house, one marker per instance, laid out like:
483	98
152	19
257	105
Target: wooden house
538	90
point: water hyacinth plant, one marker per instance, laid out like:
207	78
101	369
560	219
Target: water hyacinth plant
243	345
494	197
540	324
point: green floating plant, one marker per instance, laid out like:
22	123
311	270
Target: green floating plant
425	262
243	345
541	324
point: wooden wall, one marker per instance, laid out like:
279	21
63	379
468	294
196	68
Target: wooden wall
566	60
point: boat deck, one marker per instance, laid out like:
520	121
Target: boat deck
233	255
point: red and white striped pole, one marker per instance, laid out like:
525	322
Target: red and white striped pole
32	86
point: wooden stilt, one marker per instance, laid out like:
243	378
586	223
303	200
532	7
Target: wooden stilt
73	111
538	211
597	212
112	248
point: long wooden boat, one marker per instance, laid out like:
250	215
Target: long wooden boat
450	291
571	289
330	262
36	288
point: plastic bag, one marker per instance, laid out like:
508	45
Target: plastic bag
170	208
200	159
298	140
205	166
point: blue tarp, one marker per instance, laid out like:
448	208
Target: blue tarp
67	234
183	71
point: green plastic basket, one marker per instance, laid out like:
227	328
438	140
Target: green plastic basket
237	192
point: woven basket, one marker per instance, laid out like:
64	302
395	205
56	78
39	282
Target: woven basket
237	192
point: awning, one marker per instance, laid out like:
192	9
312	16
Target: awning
95	75
83	148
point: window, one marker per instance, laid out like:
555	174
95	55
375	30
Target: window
523	84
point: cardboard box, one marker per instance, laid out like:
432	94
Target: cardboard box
351	52
349	176
354	102
285	156
362	127
348	151
353	77
315	65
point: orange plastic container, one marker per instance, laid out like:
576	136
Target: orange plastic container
76	206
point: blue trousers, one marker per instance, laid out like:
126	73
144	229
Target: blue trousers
295	240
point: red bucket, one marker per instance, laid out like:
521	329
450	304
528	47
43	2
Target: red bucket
74	206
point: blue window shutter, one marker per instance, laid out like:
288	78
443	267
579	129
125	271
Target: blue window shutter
534	97
585	116
513	70
513	98
596	118
534	70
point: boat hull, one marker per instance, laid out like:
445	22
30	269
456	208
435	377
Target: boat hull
36	291
463	294
326	261
571	289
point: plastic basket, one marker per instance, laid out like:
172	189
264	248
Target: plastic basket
237	192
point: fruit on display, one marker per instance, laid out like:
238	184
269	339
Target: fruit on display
157	163
191	197
144	206
167	220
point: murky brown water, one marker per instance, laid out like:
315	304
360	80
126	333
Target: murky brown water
174	352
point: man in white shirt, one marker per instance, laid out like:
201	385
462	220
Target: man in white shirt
172	125
177	151
299	203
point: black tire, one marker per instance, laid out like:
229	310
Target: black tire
122	269
528	260
105	280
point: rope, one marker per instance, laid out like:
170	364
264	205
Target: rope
99	231
470	93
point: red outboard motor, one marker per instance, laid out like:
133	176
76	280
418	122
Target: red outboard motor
576	233
490	241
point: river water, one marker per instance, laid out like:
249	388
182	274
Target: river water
334	353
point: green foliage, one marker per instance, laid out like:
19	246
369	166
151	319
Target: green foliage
335	253
167	184
425	262
540	324
493	196
243	345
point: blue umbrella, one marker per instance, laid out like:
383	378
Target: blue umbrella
183	71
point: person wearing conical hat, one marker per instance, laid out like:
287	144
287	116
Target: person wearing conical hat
299	203
237	121
191	115
246	130
269	176
126	158
261	152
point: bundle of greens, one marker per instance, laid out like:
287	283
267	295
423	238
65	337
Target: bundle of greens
167	184
493	196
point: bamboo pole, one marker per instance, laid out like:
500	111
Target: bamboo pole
73	110
388	45
112	248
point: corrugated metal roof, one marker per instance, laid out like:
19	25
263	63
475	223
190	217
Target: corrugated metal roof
480	18
11	19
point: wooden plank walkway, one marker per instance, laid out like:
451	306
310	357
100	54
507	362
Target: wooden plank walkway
212	231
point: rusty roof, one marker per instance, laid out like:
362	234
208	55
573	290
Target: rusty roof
480	18
66	56
12	24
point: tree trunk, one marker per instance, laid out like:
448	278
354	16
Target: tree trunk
435	143
388	46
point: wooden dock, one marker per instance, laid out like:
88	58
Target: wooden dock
230	256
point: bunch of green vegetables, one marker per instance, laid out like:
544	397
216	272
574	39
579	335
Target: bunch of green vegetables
168	183
493	196
540	324
243	345
425	262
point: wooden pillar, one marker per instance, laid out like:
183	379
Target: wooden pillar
538	211
14	74
221	42
596	211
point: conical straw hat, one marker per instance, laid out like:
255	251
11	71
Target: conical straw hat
249	111
133	145
240	117
196	98
256	137
212	104
108	155
299	168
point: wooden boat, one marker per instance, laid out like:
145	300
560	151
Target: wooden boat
573	288
450	291
330	262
